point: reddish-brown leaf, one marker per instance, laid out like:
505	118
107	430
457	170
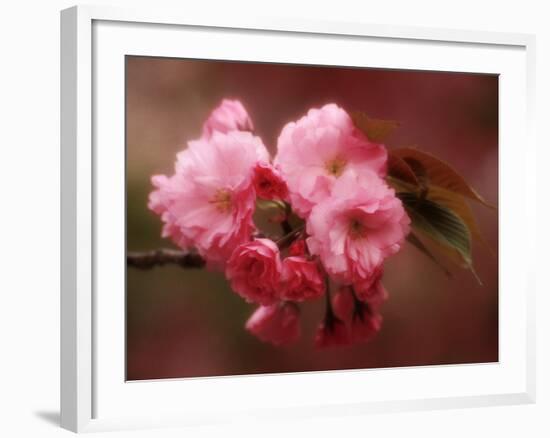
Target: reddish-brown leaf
398	168
439	173
376	130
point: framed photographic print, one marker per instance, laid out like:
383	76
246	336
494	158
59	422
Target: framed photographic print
257	208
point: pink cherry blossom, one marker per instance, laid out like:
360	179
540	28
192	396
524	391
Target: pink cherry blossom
277	323
316	150
268	183
161	201
357	227
230	115
254	271
209	201
301	279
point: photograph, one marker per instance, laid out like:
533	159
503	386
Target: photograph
289	218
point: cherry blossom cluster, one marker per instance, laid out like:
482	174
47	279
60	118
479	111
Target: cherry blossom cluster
329	178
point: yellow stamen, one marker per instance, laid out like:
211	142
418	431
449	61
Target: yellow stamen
336	166
222	201
357	230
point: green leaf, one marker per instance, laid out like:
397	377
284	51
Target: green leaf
376	130
453	201
441	225
417	243
264	204
458	205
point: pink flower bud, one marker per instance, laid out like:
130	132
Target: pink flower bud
373	293
301	279
254	271
343	303
268	183
277	323
230	115
298	248
362	318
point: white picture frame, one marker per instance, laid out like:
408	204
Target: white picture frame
93	40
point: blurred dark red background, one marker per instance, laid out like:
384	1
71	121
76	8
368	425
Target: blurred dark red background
188	323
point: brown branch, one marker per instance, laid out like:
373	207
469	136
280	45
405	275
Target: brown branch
164	256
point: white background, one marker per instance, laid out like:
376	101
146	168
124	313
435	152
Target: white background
29	240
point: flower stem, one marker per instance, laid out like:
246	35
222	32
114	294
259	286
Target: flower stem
329	312
285	225
359	306
290	237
